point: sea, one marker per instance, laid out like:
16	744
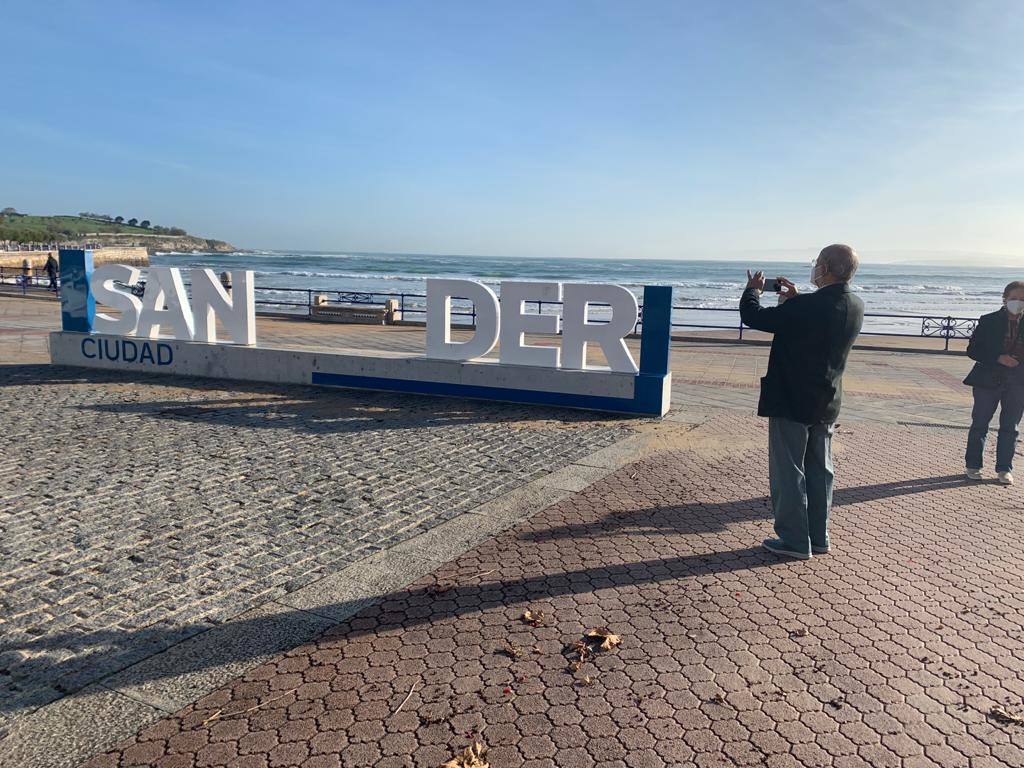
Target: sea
705	294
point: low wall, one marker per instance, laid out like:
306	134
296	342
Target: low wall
136	256
487	380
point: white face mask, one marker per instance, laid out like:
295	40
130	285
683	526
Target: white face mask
814	274
1015	306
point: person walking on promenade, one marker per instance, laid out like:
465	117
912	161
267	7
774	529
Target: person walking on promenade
997	380
802	391
52	266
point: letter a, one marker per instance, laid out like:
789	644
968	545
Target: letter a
165	303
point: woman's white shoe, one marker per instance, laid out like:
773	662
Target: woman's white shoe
1006	478
973	474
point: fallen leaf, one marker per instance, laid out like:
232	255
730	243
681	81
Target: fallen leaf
1003	715
472	757
511	650
605	636
533	619
801	632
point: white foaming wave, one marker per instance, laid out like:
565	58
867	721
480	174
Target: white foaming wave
951	290
708	284
292	255
344	275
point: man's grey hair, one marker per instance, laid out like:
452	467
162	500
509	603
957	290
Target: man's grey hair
841	261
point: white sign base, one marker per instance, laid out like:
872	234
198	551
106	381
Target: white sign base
591	390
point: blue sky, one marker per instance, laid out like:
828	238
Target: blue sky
625	129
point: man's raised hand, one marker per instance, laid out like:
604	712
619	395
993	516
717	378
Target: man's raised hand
755	280
788	290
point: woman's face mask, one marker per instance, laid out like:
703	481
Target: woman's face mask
1015	306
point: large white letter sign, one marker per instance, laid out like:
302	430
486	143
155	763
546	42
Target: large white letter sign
165	303
515	324
103	279
237	310
577	332
439	315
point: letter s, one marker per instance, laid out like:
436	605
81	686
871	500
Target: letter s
104	291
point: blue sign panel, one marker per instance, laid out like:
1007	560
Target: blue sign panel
77	305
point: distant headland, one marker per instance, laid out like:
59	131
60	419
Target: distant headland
28	235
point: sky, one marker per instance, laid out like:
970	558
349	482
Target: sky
677	129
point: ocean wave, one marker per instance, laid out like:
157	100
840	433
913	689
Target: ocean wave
709	285
342	275
911	288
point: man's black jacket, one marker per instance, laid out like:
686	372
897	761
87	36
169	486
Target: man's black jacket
985	347
814	333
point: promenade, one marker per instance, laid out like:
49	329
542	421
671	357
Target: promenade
202	573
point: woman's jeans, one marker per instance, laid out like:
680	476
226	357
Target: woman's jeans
800	477
1010	400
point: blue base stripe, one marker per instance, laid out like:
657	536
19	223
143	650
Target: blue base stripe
646	404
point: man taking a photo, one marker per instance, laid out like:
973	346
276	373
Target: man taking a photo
802	391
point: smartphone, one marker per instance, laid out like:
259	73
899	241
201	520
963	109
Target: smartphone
772	285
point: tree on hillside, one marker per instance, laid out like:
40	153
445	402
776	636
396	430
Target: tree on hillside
176	231
132	222
9	212
119	219
144	223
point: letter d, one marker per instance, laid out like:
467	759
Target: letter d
439	312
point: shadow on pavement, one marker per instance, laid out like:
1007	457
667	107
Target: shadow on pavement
116	649
698	517
291	406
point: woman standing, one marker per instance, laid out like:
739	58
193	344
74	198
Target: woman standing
997	378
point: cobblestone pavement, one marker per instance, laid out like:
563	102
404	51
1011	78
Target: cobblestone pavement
184	545
138	513
904	647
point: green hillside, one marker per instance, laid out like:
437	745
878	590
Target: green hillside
23	228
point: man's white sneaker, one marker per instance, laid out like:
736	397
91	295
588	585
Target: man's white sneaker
973	474
1006	478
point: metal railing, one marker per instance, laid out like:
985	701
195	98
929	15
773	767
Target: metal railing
300	301
26	279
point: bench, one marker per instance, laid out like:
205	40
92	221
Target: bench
366	314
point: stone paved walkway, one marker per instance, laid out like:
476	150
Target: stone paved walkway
896	650
892	651
140	513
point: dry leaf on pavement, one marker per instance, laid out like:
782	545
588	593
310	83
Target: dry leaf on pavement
1003	715
532	618
603	638
511	650
472	757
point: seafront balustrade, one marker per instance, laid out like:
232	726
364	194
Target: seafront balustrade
411	309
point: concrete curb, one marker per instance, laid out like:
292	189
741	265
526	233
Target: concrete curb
69	731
